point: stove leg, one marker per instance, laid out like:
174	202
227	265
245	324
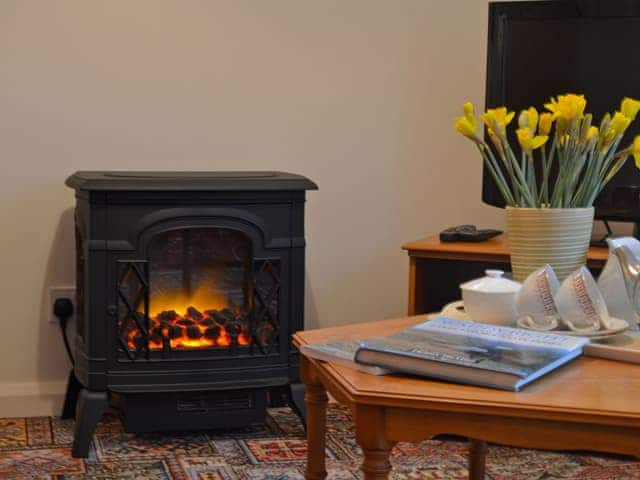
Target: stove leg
297	393
279	396
71	398
91	406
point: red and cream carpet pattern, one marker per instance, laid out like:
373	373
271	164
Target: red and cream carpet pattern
39	448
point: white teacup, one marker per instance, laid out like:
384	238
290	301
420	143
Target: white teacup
580	303
535	300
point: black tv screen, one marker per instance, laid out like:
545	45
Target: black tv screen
538	49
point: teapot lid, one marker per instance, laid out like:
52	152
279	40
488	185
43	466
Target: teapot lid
493	282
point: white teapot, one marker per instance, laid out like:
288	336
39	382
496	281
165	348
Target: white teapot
612	283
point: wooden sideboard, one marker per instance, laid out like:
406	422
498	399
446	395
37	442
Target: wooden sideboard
436	268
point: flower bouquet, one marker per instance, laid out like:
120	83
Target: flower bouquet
549	217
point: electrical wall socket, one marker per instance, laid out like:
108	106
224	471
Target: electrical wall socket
61	292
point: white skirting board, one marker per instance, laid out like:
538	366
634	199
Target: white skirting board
32	399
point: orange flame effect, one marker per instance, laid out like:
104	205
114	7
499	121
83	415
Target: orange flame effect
179	302
210	332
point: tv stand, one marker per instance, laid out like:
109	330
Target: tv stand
602	241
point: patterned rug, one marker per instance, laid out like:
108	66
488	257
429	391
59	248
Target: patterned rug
39	448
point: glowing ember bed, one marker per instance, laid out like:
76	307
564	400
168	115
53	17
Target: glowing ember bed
189	286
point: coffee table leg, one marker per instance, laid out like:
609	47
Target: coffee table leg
370	434
316	401
477	459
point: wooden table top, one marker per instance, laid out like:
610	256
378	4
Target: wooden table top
496	249
587	390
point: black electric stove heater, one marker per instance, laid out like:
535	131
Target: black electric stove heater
189	286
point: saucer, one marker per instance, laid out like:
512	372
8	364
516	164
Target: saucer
617	326
456	311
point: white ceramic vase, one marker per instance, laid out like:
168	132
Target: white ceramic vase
557	236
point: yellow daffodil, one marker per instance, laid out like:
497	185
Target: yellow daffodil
467	125
592	132
635	150
630	107
528	119
567	107
617	126
620	122
467	108
466	128
497	119
528	141
544	125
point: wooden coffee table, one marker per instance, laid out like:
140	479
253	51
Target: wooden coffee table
589	404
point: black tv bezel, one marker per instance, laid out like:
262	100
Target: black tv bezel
495	94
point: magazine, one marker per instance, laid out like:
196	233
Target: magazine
473	353
341	353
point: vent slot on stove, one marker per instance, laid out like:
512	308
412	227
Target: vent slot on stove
205	402
193	410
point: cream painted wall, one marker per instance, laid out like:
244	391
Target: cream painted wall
358	95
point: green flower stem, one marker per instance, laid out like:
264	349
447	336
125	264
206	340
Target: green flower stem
543	197
547	171
586	182
556	196
608	158
533	184
541	194
621	160
485	150
569	167
524	167
574	162
619	163
508	168
602	169
527	200
554	192
576	171
497	177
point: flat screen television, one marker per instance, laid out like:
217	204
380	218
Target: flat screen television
538	49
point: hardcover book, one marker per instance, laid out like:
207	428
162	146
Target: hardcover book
472	353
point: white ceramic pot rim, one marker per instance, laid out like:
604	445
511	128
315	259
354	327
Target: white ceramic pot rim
549	209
